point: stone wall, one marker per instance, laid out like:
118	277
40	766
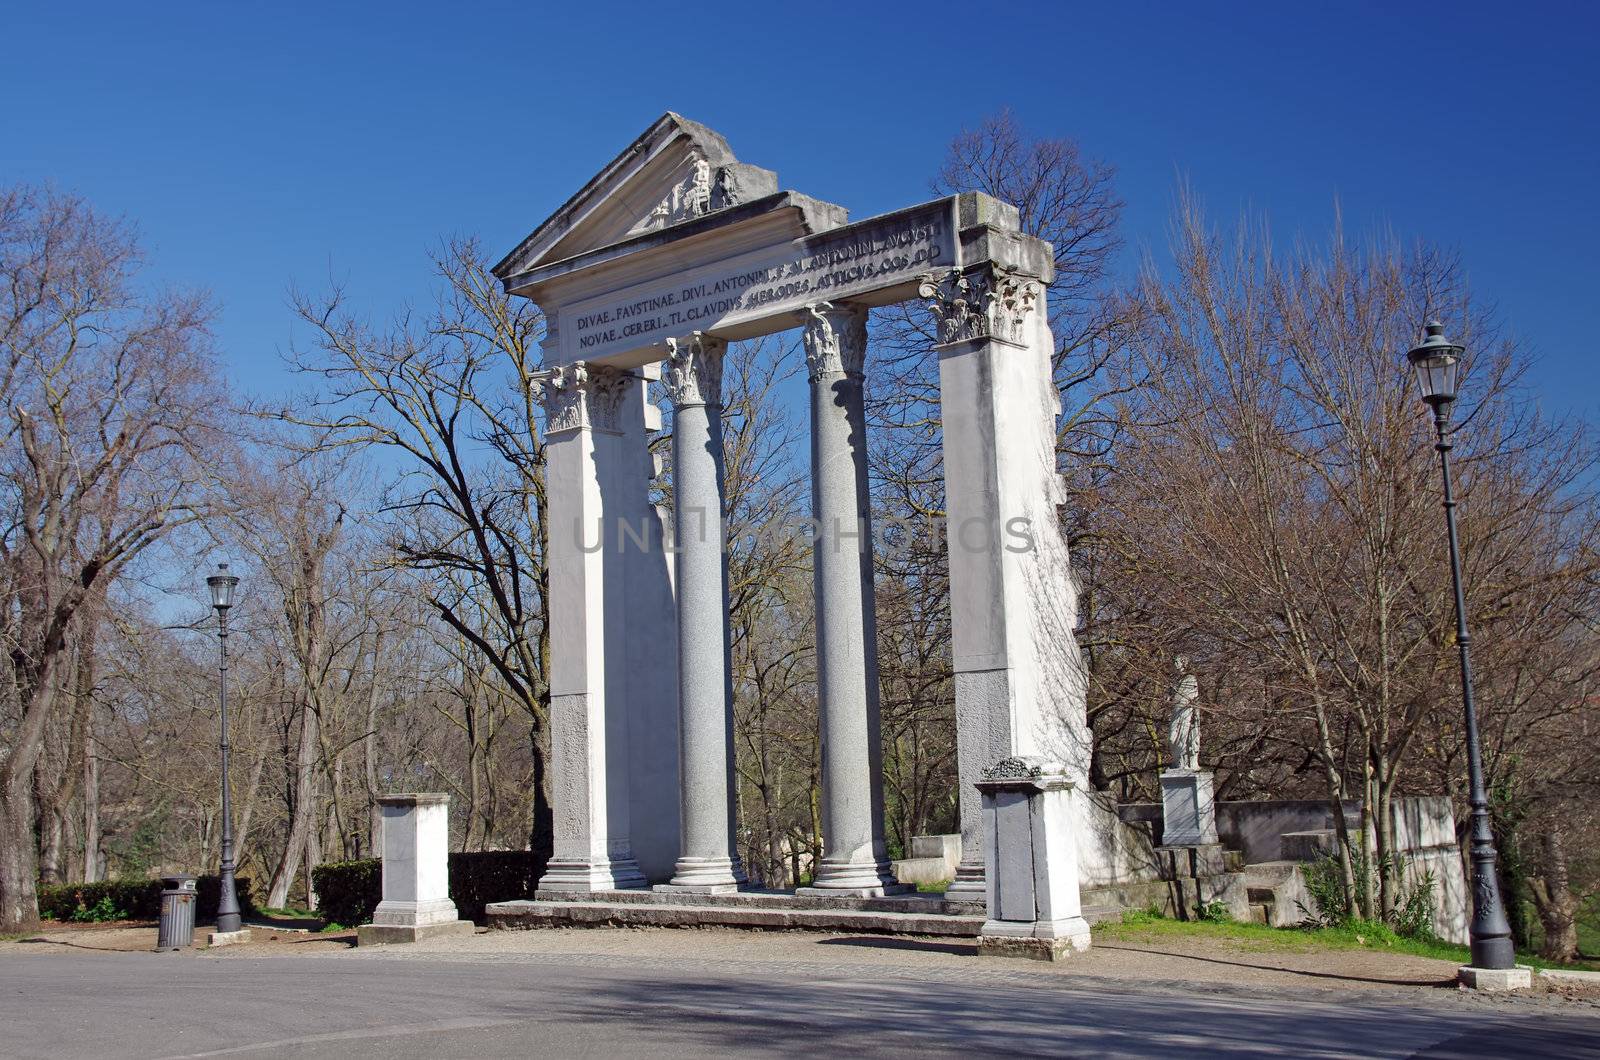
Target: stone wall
1113	849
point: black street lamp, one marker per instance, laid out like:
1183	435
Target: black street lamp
1437	362
222	584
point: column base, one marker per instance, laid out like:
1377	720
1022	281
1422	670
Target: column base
854	879
1042	940
970	889
705	876
582	876
1490	979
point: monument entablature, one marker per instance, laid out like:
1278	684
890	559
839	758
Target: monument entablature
614	292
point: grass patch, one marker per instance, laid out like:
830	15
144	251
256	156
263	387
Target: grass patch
1148	925
937	887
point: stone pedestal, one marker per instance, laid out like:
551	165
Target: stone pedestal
1030	862
416	873
1188	810
1489	979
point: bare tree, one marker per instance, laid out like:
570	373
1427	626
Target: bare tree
453	399
110	407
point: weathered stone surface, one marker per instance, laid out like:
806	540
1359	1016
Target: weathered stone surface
1495	979
1033	949
228	938
1188	808
390	934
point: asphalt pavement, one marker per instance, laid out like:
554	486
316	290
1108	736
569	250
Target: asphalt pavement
394	1006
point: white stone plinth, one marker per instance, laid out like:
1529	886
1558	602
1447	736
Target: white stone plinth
416	872
1518	978
1030	863
1188	809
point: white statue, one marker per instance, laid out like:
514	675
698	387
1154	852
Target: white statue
1183	732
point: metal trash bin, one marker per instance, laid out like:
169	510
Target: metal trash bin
178	901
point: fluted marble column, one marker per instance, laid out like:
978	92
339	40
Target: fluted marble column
854	861
708	859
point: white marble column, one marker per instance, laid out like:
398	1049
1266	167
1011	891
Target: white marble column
708	859
854	861
589	480
1018	673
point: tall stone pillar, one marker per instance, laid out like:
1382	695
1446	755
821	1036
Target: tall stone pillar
588	476
708	859
1018	674
854	860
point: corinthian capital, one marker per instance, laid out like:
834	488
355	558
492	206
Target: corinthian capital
694	370
987	303
582	395
835	339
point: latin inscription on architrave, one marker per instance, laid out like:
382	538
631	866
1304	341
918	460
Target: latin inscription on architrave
871	255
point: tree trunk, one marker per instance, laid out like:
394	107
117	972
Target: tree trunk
301	818
1557	905
91	800
19	869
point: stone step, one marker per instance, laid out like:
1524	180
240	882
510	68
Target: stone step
747	910
913	902
1260	913
543	914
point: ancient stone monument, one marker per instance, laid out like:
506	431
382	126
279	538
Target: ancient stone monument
1188	808
674	249
416	872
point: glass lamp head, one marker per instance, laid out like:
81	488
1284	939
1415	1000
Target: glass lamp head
1437	362
221	585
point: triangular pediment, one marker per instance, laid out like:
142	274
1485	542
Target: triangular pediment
678	171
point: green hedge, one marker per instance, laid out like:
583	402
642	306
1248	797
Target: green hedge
348	891
137	899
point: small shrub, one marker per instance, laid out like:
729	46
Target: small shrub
1413	913
102	911
1325	885
1216	912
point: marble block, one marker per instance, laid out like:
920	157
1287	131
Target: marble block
1030	862
416	872
1188	809
1488	979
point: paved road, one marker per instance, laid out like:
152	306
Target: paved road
396	1007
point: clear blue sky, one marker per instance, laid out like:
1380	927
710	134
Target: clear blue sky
259	144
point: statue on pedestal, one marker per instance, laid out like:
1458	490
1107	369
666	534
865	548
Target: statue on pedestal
1183	731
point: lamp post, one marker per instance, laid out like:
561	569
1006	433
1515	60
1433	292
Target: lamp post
1437	362
222	584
